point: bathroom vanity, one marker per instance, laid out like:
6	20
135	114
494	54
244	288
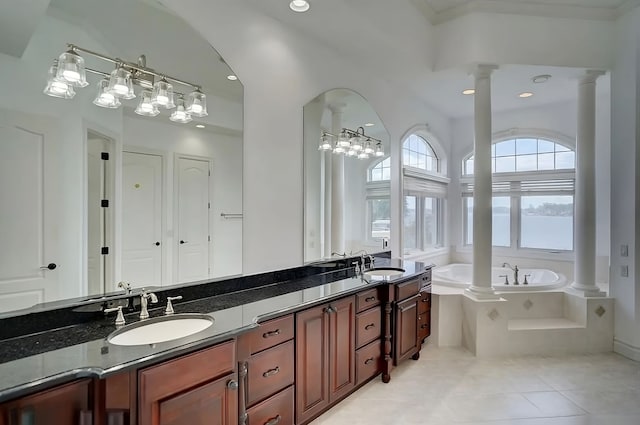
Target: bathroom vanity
287	366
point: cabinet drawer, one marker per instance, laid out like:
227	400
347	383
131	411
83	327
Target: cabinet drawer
368	326
367	299
424	304
276	410
368	361
269	371
424	325
426	277
271	333
407	289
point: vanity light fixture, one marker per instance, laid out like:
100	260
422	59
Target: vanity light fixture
525	94
351	143
299	5
115	85
468	91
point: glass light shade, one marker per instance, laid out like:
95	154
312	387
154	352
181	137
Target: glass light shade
120	84
325	143
299	5
71	69
162	94
343	140
363	155
56	87
145	106
351	152
105	99
379	150
338	150
367	147
356	143
197	104
180	114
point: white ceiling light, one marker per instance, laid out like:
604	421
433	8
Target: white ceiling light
541	78
117	84
351	143
199	125
232	77
525	94
299	5
369	124
468	91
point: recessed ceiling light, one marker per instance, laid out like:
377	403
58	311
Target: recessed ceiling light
232	77
299	5
468	91
525	94
199	125
369	124
541	78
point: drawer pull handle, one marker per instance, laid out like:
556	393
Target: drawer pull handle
369	299
271	333
369	360
271	372
424	326
273	421
369	326
232	385
426	300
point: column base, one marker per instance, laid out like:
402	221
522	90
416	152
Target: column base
481	293
586	290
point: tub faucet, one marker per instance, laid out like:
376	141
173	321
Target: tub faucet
515	272
146	297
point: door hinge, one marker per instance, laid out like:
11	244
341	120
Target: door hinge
104	250
104	156
104	203
209	238
209	173
209	205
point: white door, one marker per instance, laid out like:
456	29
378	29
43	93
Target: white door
192	218
141	219
28	212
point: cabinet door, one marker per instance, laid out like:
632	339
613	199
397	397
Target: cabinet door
62	405
406	329
342	348
212	403
312	363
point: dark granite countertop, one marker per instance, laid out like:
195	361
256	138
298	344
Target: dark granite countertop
39	360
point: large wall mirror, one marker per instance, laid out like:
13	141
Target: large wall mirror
346	177
94	199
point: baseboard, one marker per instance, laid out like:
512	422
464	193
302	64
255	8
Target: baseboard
626	350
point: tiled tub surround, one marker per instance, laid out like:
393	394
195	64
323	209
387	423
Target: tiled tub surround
45	358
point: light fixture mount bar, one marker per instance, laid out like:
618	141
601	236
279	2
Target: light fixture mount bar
353	133
131	65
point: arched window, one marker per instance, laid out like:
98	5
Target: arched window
380	171
533	188
418	153
424	195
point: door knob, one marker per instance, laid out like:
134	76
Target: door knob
182	242
50	266
157	243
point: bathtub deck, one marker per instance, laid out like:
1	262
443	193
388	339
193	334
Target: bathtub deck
542	324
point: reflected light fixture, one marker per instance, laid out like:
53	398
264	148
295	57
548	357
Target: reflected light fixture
117	84
468	91
199	126
299	5
369	124
232	77
525	94
351	143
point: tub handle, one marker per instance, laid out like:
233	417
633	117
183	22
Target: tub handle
506	278
525	279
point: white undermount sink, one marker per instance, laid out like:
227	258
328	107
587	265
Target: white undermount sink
383	273
160	329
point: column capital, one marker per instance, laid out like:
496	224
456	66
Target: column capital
482	70
590	76
337	107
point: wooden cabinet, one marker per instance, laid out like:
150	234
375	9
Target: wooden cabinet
325	357
68	404
406	332
368	335
196	389
424	316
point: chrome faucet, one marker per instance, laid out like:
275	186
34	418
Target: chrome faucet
515	272
343	255
169	309
144	298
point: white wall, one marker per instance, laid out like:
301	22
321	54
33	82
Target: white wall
560	118
281	71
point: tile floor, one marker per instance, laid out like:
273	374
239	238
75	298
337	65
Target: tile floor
451	386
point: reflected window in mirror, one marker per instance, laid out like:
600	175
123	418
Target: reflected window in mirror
425	190
378	200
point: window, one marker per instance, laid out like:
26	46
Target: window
380	171
425	192
378	200
533	187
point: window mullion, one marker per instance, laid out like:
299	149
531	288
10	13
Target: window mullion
515	221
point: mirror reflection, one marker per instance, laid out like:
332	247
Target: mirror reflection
100	192
347	172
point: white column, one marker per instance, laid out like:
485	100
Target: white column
482	218
337	185
327	203
584	226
